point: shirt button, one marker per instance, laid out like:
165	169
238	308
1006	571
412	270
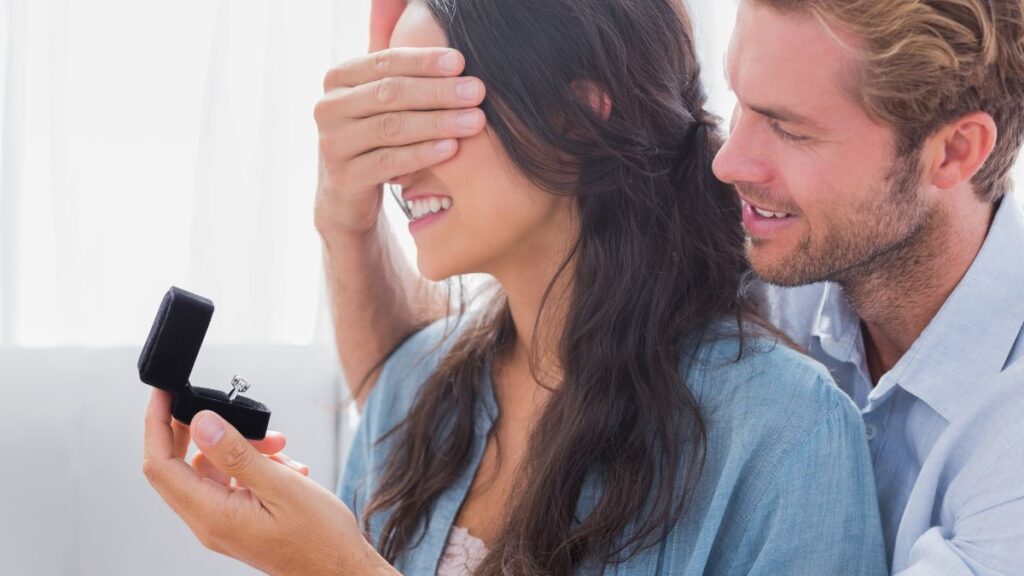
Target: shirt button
871	431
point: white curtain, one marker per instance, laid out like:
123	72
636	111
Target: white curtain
150	144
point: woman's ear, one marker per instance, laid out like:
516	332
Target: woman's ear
595	96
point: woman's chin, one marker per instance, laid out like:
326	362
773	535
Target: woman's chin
436	271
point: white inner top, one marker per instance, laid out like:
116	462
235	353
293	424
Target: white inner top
462	554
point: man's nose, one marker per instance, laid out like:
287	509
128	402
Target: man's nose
741	158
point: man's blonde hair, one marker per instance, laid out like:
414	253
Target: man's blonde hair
925	63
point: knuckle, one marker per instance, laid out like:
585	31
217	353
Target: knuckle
389	127
424	62
440	123
150	470
330	79
320	111
387	90
386	161
238	457
382	63
442	91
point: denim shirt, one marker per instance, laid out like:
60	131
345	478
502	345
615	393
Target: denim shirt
946	424
786	487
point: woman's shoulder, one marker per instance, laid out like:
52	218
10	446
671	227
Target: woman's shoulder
408	368
786	463
753	381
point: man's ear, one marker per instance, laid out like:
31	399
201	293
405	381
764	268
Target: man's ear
960	149
594	95
384	15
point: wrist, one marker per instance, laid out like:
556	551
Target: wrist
338	241
359	558
364	559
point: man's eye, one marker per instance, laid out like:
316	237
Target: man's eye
786	135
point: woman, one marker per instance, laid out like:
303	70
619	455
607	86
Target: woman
615	405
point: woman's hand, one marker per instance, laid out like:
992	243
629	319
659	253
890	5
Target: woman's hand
384	115
271	446
275	519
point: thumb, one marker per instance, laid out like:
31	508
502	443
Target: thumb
384	15
231	453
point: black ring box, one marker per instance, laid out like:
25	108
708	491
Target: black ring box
170	354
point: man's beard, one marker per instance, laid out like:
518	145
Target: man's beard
884	231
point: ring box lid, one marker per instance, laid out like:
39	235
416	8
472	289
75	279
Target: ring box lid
174	340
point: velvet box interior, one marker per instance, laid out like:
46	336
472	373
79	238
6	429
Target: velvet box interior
170	353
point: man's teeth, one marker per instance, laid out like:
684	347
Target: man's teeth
420	207
767	214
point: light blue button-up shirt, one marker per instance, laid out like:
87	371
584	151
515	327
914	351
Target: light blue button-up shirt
786	487
946	424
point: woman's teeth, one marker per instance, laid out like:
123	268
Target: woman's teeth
420	207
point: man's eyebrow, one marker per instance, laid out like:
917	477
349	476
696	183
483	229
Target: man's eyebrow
785	115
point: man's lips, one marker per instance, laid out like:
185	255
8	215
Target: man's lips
762	223
763	209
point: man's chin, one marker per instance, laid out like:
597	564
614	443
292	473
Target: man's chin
786	270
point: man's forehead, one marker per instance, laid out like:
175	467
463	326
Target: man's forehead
790	64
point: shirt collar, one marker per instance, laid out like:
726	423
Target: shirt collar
836	325
966	343
970	339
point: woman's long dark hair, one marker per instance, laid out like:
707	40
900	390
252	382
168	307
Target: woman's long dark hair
658	258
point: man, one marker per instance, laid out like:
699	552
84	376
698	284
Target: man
871	147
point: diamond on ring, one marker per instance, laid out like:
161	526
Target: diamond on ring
238	386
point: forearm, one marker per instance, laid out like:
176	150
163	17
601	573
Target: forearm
377	298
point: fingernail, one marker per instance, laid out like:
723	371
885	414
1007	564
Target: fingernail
467	89
449	62
467	119
443	147
210	429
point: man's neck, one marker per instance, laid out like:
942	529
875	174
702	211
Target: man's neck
900	294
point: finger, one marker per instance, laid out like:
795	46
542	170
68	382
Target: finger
175	481
272	443
384	15
397	95
159	437
412	62
181	439
404	128
228	450
202	465
290	463
206	469
386	164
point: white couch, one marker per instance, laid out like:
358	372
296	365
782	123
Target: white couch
73	500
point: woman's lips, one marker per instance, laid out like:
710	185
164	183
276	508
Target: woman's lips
424	208
418	224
